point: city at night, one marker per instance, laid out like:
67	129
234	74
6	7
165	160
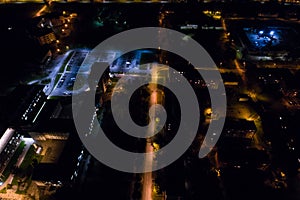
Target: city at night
150	100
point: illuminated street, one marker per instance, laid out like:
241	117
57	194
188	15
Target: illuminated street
48	59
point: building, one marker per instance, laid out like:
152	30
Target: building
47	38
239	128
9	142
23	105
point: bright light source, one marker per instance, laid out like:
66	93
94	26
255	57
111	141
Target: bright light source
157	119
261	32
155	146
271	32
218	172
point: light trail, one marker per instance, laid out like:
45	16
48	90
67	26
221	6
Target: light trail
39	13
38	112
147	178
43	9
240	71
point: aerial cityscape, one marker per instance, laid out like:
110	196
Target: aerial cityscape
50	51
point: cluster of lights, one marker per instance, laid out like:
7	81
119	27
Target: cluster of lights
262	32
80	157
92	124
31	107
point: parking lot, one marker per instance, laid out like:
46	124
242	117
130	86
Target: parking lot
65	84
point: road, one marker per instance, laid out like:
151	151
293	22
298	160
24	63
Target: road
54	70
56	67
147	178
156	97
